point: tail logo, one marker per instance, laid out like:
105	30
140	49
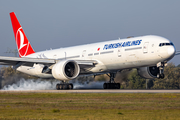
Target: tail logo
22	42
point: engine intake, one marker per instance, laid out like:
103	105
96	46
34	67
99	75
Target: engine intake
65	70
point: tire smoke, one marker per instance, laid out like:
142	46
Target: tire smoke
90	85
31	84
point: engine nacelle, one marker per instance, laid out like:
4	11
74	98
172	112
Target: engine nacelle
148	72
65	70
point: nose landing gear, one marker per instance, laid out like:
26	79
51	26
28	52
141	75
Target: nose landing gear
111	84
161	65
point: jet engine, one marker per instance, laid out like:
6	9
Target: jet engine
148	72
65	70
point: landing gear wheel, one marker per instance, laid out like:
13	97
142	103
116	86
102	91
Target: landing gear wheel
58	87
64	86
105	85
160	76
70	86
118	85
111	85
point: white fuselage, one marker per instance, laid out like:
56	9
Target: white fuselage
111	55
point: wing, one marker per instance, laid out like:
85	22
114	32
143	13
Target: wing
16	62
177	53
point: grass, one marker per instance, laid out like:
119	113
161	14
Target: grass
90	106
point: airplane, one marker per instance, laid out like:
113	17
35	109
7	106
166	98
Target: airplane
148	54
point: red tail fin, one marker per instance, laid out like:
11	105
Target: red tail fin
23	45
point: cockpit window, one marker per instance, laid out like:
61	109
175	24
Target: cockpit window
165	44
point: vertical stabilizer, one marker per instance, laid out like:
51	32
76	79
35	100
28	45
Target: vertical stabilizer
23	45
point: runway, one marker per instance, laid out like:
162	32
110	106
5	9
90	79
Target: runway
90	91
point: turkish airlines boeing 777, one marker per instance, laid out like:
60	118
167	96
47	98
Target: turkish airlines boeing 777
149	54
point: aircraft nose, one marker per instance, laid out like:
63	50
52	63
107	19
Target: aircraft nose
171	51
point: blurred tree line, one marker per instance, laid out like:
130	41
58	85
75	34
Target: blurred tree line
170	81
9	76
128	79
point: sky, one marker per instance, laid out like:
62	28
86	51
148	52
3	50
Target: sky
62	23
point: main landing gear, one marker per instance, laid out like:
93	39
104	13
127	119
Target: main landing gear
160	65
111	84
64	86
